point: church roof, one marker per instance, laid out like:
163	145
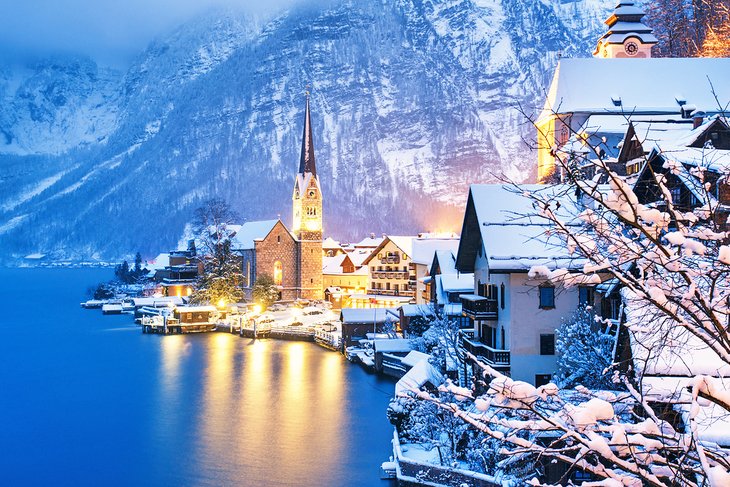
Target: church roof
251	231
306	161
612	86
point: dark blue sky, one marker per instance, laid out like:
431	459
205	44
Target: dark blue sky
110	31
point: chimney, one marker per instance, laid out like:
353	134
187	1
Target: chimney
697	118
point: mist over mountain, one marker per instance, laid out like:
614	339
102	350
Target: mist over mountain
411	100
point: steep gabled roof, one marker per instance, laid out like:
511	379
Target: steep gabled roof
251	231
405	244
500	223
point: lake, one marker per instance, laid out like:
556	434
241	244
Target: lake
87	399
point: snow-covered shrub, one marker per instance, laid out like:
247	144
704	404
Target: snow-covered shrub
585	352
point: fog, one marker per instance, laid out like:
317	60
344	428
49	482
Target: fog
110	31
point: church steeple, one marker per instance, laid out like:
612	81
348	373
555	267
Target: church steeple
306	160
307	195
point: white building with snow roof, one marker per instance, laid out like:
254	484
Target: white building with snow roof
592	97
513	313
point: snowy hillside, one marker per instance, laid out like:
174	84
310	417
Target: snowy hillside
412	100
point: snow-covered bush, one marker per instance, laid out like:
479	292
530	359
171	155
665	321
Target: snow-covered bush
585	352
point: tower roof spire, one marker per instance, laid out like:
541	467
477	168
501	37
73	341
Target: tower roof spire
306	161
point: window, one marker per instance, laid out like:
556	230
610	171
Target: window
547	297
501	295
278	273
585	296
547	344
278	238
542	379
676	193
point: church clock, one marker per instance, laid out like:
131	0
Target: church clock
631	48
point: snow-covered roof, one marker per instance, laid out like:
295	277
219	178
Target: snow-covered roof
446	283
417	377
369	242
195	309
159	262
652	85
447	260
358	256
251	231
660	347
331	244
424	248
367	315
512	237
390	345
712	159
417	310
404	243
413	357
333	265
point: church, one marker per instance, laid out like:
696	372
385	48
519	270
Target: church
292	257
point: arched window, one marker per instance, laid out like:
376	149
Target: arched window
278	273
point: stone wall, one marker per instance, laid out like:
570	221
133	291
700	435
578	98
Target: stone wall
279	245
311	269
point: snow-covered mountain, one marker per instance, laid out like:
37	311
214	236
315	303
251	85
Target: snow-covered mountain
412	100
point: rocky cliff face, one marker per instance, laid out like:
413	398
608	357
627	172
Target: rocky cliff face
412	100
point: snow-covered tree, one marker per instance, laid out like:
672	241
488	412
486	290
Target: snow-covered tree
585	352
265	291
674	264
220	281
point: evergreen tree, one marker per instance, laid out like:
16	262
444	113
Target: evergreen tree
138	265
265	291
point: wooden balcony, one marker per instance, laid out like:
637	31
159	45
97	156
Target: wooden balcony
479	308
491	356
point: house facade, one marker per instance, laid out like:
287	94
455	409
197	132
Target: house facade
513	312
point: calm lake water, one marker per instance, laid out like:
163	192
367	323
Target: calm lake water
87	399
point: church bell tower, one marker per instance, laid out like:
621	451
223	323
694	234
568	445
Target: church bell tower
307	217
627	36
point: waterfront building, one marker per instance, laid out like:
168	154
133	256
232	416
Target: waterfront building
514	314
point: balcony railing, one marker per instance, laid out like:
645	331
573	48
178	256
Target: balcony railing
492	356
479	308
392	292
390	259
403	275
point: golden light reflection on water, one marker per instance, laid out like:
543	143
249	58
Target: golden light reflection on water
172	349
283	403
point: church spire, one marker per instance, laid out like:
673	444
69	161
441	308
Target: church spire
306	161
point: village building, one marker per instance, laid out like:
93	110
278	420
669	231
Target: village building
514	313
177	271
591	101
291	257
424	249
357	324
342	278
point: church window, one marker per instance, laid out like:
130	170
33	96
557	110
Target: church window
278	273
278	238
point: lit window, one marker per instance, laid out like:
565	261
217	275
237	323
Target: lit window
278	273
